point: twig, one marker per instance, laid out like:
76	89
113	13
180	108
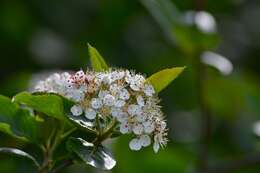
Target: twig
63	165
205	117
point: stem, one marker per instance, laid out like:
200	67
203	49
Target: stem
50	147
101	137
201	77
206	118
68	133
63	165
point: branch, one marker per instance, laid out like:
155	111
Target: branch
63	165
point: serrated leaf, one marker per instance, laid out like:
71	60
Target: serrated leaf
97	61
19	153
19	121
96	156
163	78
50	104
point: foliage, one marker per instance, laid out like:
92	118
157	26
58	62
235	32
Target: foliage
45	119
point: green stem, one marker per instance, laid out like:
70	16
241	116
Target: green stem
49	149
107	133
66	134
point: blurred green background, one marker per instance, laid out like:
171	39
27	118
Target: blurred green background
213	108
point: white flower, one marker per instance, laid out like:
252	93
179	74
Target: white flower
109	100
140	100
76	110
75	95
96	103
122	117
141	141
145	140
149	90
132	109
102	93
124	94
125	127
115	94
115	111
106	79
90	113
135	144
117	75
119	103
148	126
136	82
114	88
138	129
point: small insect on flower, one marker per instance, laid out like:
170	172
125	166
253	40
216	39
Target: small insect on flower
115	94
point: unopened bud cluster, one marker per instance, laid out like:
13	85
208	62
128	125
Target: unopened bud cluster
120	94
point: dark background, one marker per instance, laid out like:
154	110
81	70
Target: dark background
212	116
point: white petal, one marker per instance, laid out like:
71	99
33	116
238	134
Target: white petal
124	128
119	103
115	111
114	88
122	117
140	117
145	140
132	109
135	144
76	110
102	93
90	113
96	103
148	126
140	100
107	79
109	100
138	129
124	94
134	87
149	90
163	125
156	147
76	95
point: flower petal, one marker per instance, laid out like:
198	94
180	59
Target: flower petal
135	144
76	110
90	113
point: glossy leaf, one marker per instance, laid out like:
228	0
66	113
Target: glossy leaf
19	153
18	121
96	156
50	104
6	129
82	122
163	78
97	61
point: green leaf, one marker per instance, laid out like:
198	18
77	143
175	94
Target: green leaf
163	78
6	129
96	156
19	153
50	104
82	123
97	61
19	121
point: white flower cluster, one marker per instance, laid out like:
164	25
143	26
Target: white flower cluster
120	94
